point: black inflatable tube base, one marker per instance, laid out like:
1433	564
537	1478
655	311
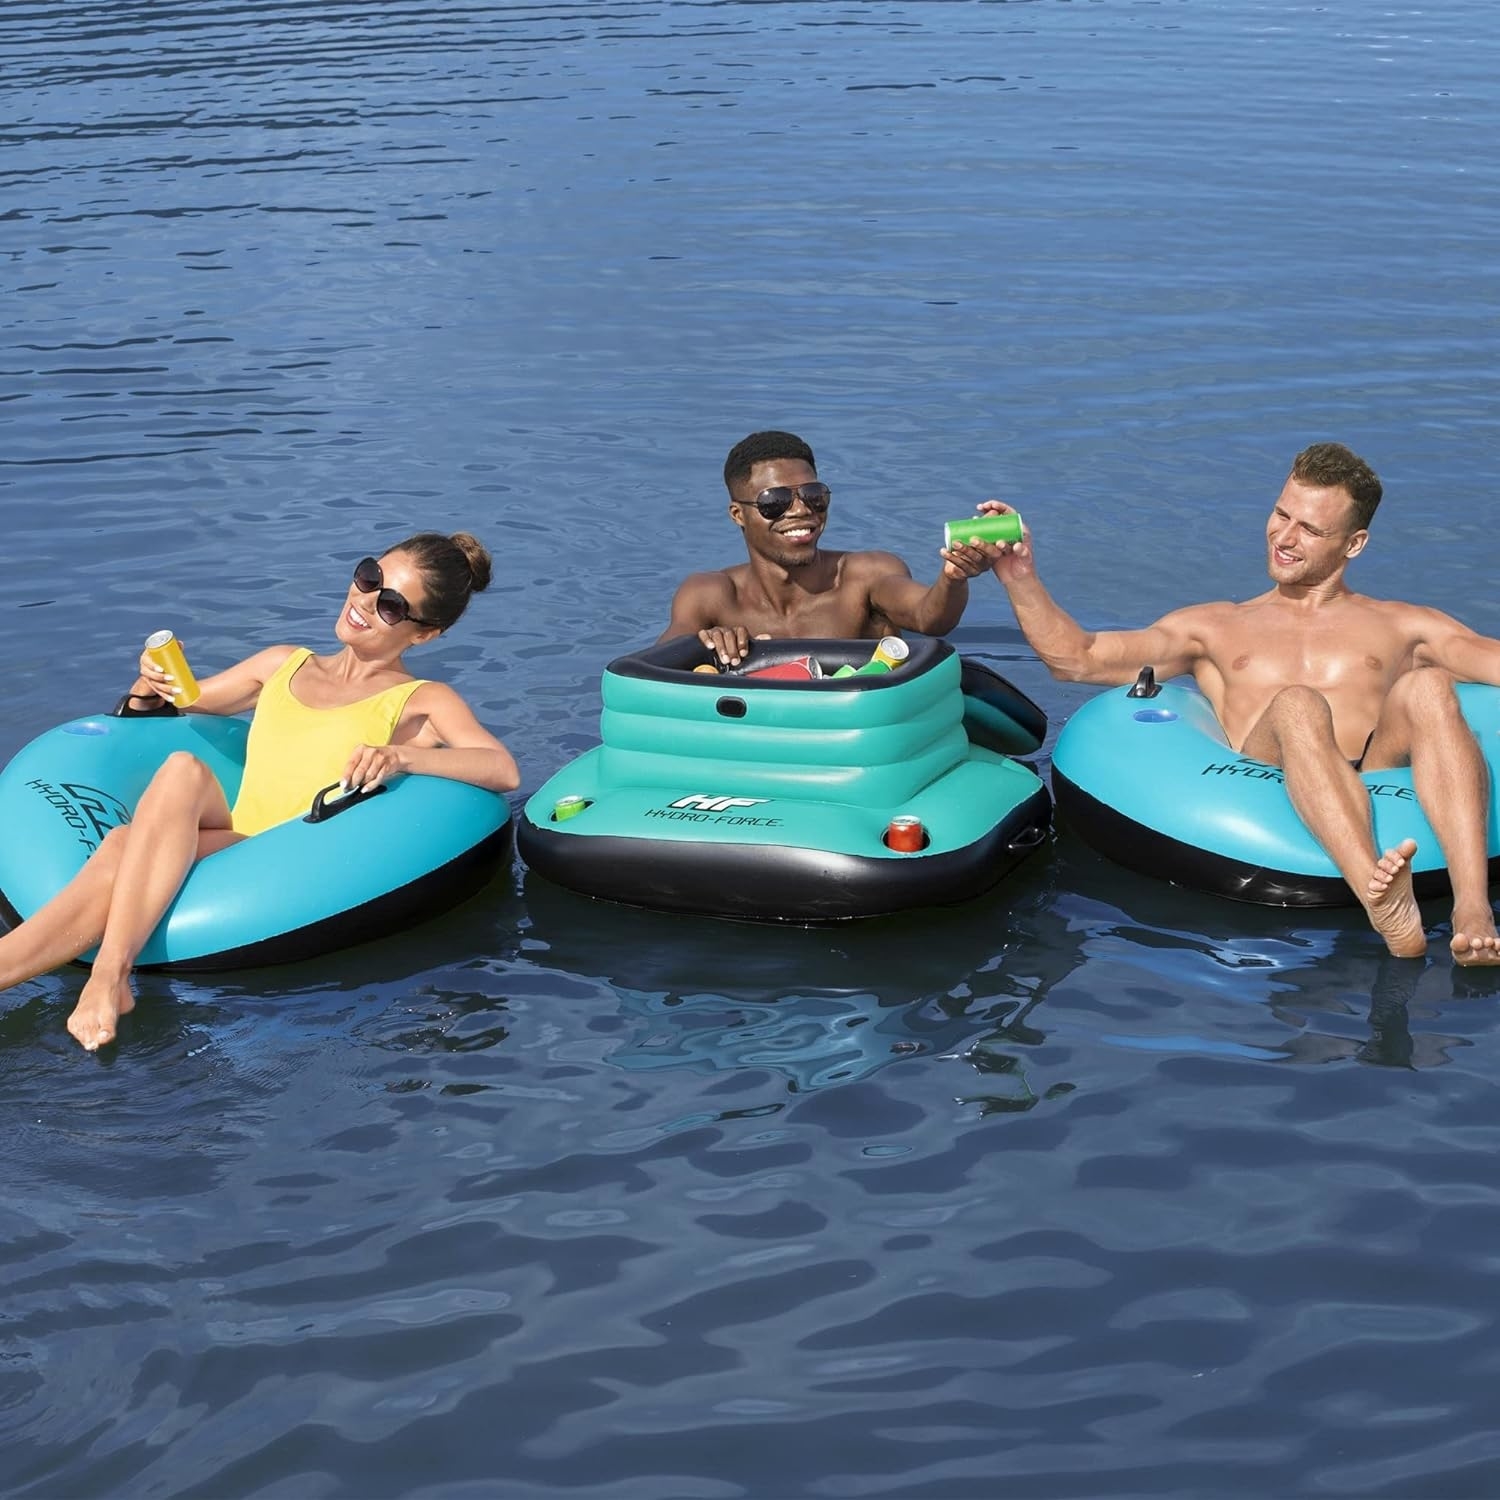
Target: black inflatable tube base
1143	849
779	883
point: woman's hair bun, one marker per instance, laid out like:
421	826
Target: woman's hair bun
477	556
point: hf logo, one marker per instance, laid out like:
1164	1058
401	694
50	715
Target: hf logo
703	802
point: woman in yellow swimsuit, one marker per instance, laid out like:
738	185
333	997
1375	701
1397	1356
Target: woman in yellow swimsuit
357	716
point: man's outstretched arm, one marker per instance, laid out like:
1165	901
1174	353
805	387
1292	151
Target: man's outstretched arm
1108	657
1452	645
934	608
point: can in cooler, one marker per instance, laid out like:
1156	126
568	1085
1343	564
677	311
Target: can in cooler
905	835
888	655
166	651
798	669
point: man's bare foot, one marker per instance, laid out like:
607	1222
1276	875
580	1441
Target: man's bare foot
1475	942
1390	905
101	1003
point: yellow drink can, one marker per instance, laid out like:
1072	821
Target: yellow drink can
166	651
892	650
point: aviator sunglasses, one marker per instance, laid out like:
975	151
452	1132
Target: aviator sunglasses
389	605
774	503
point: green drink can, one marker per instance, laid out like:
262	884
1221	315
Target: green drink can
986	528
568	807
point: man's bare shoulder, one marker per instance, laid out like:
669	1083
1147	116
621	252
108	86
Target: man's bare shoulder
1404	609
867	565
714	583
1417	624
1208	618
703	600
1212	609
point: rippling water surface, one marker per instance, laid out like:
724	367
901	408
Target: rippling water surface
1089	1187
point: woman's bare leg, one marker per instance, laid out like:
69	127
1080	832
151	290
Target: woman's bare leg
71	923
182	817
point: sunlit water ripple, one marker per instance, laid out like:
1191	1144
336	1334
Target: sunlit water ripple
1090	1187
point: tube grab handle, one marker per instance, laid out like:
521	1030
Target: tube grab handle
165	709
322	809
1028	838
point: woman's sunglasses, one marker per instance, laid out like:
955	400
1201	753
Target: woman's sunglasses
773	504
389	605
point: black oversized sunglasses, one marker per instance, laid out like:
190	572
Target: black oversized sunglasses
389	605
774	503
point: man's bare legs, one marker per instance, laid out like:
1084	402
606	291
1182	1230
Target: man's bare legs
1422	724
1296	733
119	896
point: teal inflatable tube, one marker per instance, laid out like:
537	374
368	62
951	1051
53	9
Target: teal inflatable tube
302	888
1151	782
770	799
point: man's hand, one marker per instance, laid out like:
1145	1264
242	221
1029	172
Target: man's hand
965	560
730	643
1013	561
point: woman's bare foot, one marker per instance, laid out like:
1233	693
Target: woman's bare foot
101	1003
1390	904
1474	942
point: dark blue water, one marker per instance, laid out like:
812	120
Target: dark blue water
1088	1188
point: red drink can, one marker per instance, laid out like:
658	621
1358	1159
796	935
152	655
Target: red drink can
798	669
905	835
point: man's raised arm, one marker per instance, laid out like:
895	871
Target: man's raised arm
1108	657
934	608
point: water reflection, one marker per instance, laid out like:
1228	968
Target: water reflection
816	1006
412	989
1071	950
1072	953
1260	983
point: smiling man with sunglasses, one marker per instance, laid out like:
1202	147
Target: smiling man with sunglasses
789	586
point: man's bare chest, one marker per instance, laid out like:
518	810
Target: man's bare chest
834	614
1354	655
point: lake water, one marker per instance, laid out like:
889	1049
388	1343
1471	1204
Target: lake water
1087	1188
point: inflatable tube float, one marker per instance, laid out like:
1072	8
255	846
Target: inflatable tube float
1147	777
353	868
771	798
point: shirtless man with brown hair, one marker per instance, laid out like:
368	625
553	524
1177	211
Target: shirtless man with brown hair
790	586
1323	682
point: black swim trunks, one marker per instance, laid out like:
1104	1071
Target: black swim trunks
1359	764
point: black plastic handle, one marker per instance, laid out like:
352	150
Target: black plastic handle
322	810
1028	838
1146	685
165	709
